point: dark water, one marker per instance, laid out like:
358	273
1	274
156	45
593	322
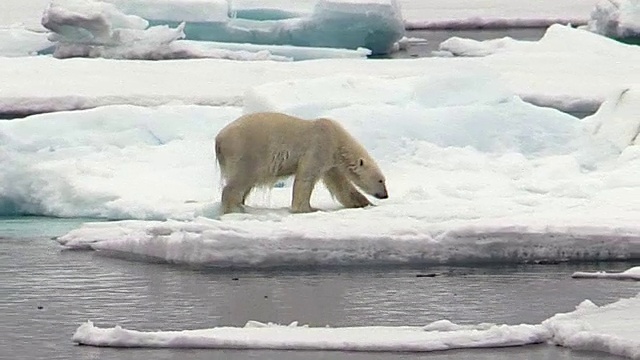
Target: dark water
435	37
74	286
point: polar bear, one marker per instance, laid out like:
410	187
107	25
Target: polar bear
261	148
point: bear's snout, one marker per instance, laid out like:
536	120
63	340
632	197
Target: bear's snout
382	195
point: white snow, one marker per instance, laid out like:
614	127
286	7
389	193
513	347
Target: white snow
616	18
610	328
629	274
569	69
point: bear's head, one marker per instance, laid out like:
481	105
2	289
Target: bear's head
366	174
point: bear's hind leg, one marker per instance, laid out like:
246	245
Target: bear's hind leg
233	197
343	190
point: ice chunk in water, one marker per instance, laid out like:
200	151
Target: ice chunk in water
373	24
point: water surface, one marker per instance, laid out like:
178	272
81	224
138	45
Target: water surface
48	292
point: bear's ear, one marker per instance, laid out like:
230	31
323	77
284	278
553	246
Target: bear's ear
361	162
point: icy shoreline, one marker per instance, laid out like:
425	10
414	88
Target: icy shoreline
260	244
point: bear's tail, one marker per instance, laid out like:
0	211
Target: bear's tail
220	163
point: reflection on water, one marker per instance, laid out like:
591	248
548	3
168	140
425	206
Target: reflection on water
48	293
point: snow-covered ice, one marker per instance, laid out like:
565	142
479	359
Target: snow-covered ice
102	29
374	24
81	24
475	14
465	156
255	335
568	69
616	18
92	29
465	160
610	328
442	13
279	52
558	39
629	274
286	22
433	110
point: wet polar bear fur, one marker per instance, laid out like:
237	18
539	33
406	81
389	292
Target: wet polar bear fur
257	150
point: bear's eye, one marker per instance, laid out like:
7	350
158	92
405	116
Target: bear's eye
380	181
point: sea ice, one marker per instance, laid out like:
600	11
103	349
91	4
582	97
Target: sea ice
570	70
630	274
176	10
461	167
610	328
255	335
508	124
373	24
470	14
478	14
84	28
295	53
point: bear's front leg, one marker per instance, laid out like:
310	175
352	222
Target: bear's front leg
343	190
301	201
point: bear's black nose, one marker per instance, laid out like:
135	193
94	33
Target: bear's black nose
381	195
